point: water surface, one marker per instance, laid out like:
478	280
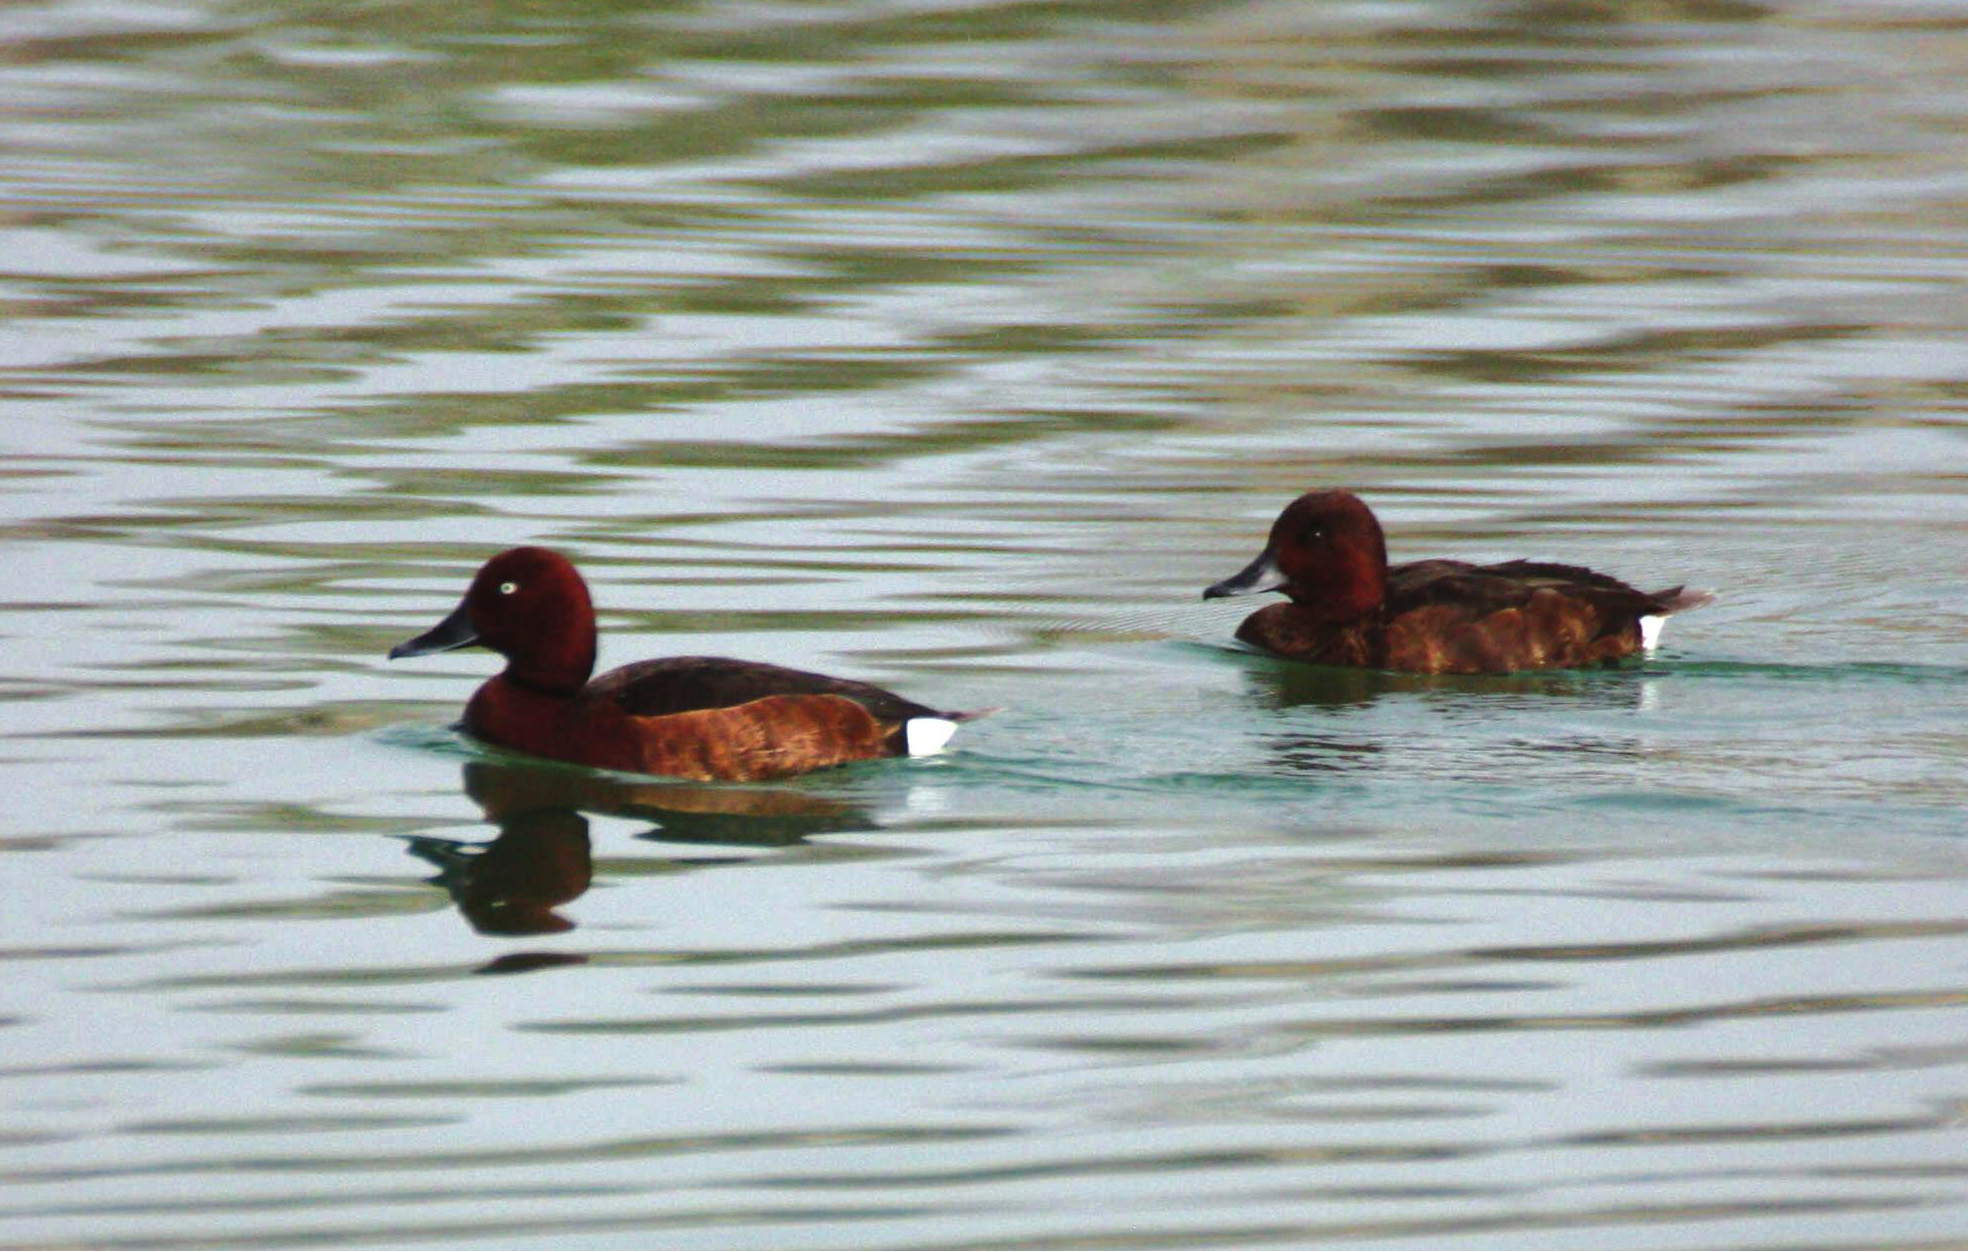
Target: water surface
958	346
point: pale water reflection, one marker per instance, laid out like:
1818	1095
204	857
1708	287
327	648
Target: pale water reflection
958	347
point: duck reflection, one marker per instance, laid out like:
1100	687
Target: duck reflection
1285	685
542	857
1289	684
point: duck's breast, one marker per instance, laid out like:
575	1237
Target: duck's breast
1290	631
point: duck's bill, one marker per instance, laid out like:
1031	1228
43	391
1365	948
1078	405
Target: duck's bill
1262	574
454	631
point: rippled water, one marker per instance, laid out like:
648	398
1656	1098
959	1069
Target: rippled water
959	346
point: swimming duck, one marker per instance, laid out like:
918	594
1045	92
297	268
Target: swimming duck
699	717
1348	607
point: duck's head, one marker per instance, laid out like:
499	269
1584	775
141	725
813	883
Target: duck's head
529	605
1326	552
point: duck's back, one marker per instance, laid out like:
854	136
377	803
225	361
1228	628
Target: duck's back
685	684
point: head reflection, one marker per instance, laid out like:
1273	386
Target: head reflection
539	860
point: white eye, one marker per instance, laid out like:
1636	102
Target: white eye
506	589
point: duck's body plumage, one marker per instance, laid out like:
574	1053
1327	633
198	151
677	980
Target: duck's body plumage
1349	607
699	717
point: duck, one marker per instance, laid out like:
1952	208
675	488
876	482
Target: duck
705	718
1347	606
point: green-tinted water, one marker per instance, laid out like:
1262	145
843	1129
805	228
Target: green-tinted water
959	347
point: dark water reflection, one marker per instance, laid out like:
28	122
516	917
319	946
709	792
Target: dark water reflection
955	346
542	857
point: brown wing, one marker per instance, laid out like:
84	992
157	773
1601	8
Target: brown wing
1453	617
688	684
775	736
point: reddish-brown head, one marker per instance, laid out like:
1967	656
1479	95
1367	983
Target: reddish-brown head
530	606
1326	552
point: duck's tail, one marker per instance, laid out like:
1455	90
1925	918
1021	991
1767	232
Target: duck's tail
1673	600
925	736
1681	599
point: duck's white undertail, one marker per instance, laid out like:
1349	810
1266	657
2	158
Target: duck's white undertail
927	735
